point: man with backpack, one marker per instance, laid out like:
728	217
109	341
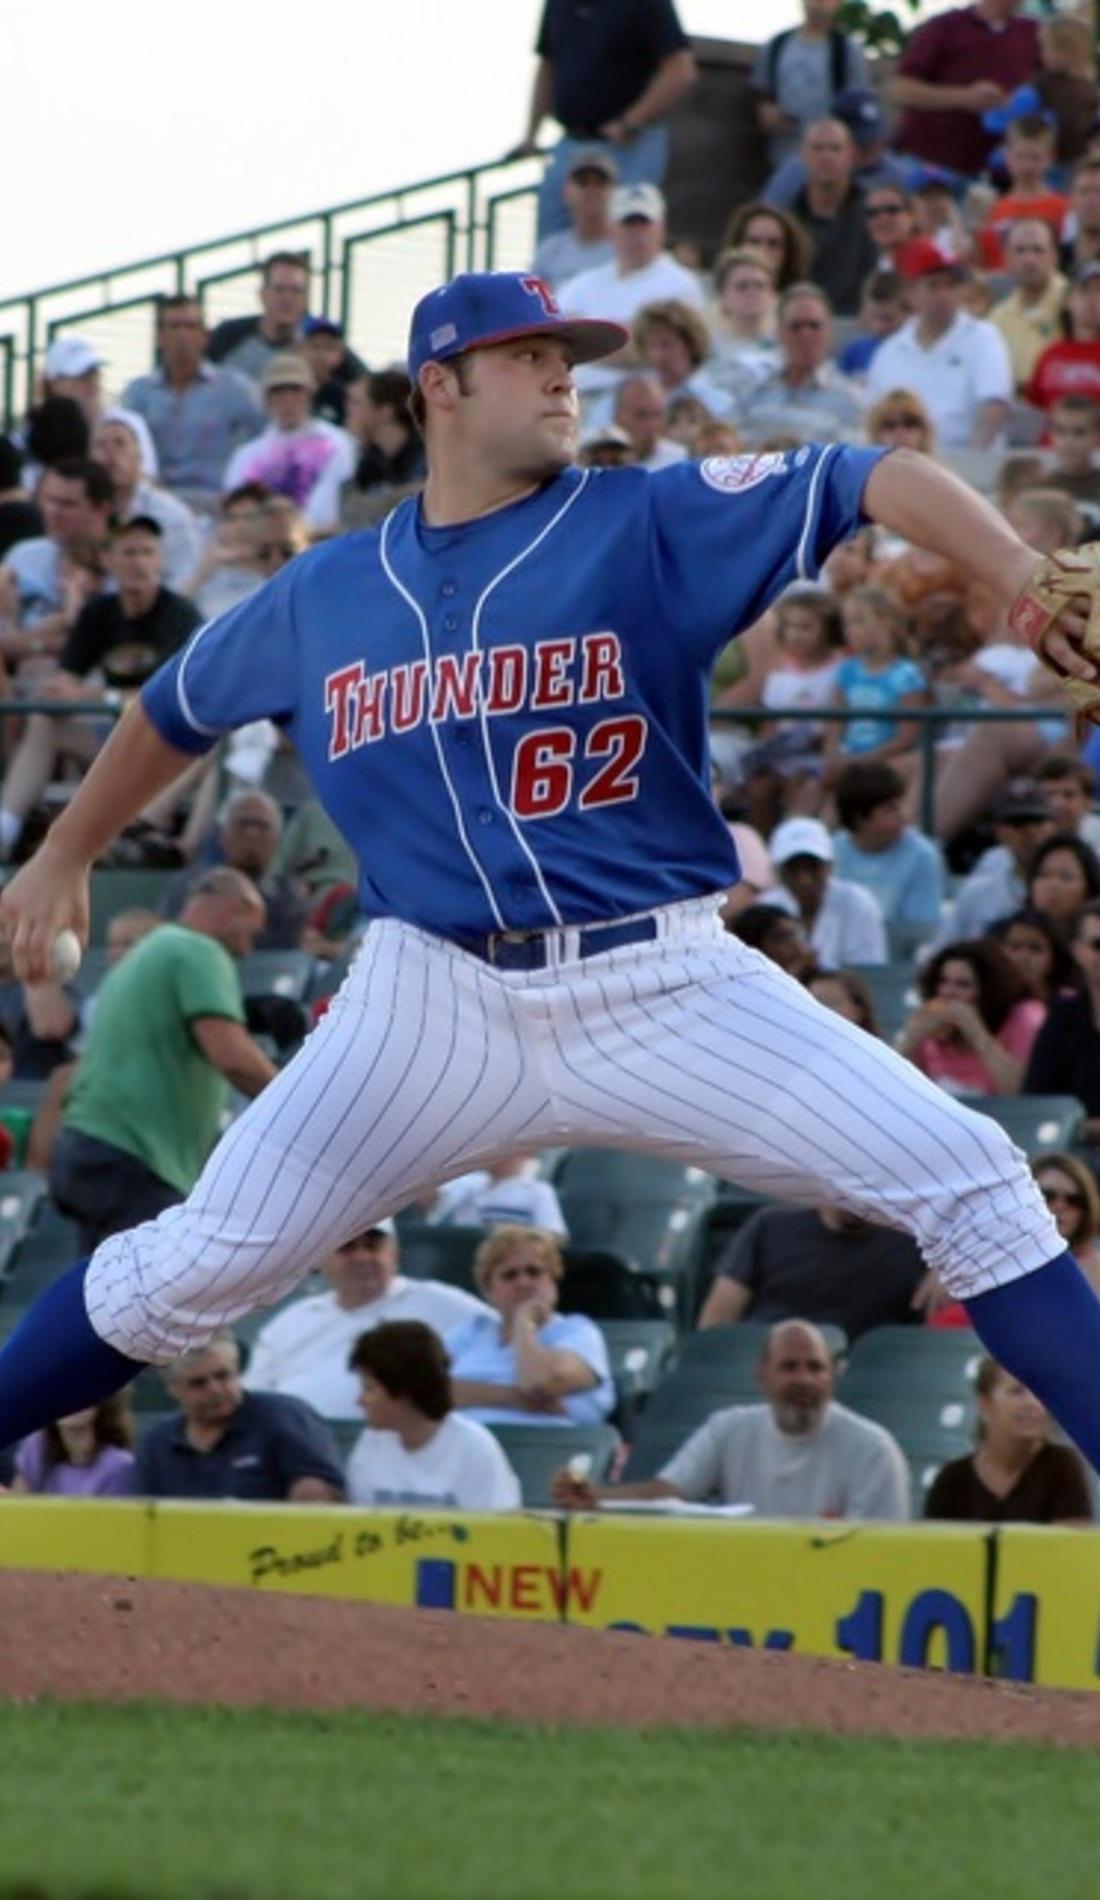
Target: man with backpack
798	75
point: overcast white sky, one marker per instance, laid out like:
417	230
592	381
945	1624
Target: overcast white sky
143	128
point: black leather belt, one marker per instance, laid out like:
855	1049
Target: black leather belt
530	949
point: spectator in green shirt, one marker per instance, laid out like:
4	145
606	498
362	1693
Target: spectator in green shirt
168	1033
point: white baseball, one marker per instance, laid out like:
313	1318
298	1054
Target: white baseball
66	955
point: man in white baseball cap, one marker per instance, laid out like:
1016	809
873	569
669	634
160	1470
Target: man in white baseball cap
841	919
642	271
72	369
304	1350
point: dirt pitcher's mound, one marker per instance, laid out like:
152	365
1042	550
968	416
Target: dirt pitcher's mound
113	1639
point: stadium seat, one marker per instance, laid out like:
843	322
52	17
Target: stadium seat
112	891
1036	1123
683	1399
918	1382
441	1253
921	1361
605	1286
639	1350
535	1452
277	973
638	1204
47	1247
727	1346
978	468
653	1446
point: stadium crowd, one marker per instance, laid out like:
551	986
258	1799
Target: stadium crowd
921	267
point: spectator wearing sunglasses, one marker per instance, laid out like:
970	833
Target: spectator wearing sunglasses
900	420
524	1363
891	220
805	395
1069	1189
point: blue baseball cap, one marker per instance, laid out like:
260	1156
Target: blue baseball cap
494	306
859	110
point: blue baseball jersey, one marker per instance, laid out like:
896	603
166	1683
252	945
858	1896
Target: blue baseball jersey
507	718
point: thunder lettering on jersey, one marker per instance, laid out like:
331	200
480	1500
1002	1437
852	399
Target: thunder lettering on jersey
507	718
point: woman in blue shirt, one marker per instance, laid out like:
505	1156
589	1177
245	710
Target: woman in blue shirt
525	1363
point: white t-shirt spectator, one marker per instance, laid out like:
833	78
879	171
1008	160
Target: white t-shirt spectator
475	1200
618	296
847	1467
848	928
462	1468
303	1351
967	366
787	687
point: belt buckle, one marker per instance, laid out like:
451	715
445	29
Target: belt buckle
515	939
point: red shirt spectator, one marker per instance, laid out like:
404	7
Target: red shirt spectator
1072	366
1028	157
956	67
1050	207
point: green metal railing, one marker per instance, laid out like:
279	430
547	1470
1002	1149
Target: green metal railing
370	259
929	718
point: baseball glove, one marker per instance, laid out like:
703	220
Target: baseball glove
1058	579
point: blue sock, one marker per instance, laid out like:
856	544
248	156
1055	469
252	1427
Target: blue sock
55	1363
1045	1330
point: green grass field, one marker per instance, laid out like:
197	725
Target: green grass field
150	1803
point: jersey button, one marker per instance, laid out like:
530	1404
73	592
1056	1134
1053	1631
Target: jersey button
450	622
449	589
485	816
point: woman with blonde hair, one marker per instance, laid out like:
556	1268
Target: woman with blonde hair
899	419
524	1363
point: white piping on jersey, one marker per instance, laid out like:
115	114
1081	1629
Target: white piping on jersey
209	732
410	601
483	716
811	501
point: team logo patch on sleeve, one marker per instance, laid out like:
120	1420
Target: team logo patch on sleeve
731	474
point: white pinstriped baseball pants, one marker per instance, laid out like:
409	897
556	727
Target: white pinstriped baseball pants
430	1062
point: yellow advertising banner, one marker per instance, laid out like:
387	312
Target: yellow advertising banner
488	1565
884	1593
102	1535
1046	1606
